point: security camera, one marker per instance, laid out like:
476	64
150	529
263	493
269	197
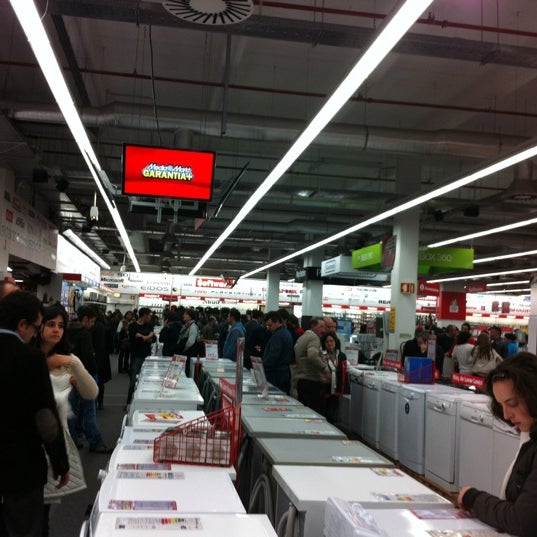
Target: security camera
94	213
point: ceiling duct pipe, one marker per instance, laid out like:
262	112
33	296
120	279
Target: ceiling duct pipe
128	116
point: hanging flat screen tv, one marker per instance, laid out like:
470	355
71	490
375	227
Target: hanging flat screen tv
167	173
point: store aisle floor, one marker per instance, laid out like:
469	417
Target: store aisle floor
67	517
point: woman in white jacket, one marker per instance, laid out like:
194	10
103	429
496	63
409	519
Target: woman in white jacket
65	371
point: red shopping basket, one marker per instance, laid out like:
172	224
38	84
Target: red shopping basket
211	440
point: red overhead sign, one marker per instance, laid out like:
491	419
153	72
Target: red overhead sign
428	289
167	173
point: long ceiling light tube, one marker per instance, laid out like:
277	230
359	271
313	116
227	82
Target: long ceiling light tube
32	25
479	276
484	233
494	167
392	32
507	256
81	245
518	282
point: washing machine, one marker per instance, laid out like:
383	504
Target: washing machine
371	409
271	399
389	392
140	457
345	518
505	444
411	423
306	489
475	446
356	382
194	489
279	411
442	436
201	525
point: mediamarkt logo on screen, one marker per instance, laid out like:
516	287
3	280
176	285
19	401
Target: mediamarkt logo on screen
178	173
169	173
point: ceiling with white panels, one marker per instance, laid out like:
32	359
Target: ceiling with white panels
457	90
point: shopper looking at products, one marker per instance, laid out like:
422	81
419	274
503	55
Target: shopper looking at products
511	343
102	355
187	343
141	336
484	357
30	420
65	370
278	352
513	388
236	331
311	372
497	342
84	419
422	340
169	334
124	343
462	353
448	339
337	362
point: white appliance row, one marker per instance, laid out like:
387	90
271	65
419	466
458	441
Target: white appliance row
424	428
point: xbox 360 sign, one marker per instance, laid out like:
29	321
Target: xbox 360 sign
435	260
369	257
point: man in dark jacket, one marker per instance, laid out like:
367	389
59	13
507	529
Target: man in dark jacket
30	419
278	352
141	335
84	417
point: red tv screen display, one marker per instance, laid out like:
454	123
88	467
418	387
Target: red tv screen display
167	173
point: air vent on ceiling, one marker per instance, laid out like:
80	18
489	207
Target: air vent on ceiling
523	187
210	12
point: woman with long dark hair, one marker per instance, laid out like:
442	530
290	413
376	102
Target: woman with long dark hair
513	388
65	371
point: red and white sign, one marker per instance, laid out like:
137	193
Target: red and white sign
476	288
428	289
468	380
407	287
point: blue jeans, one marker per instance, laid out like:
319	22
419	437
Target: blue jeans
84	419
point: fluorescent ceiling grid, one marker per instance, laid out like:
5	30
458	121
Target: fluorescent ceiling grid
392	32
478	276
32	25
501	284
484	233
490	169
507	256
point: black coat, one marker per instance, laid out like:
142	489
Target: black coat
102	356
25	395
517	513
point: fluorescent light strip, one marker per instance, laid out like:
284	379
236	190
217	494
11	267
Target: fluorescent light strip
507	256
449	187
479	276
30	21
81	245
484	233
498	291
518	282
392	32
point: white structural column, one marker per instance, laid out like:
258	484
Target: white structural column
405	270
312	291
273	289
532	322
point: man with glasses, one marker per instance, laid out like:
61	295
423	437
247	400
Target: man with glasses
30	419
